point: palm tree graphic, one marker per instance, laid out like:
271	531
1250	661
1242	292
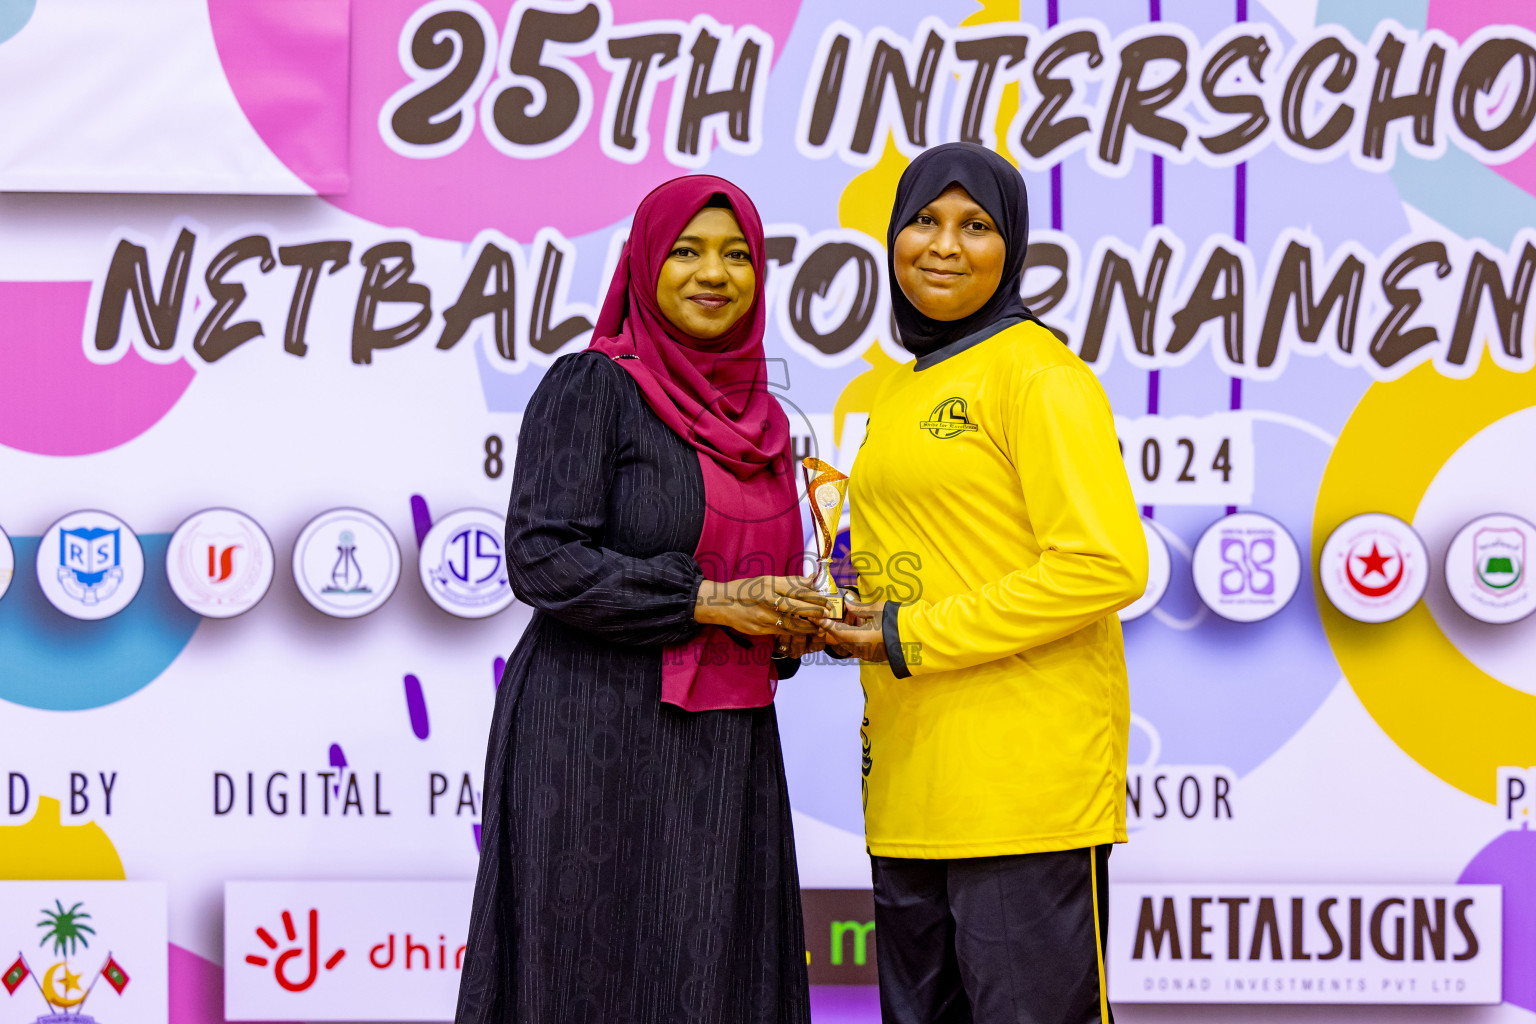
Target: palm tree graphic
67	930
64	927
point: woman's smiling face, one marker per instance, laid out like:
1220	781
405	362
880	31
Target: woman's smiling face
707	281
949	259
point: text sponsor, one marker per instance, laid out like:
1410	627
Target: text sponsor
1317	943
1178	793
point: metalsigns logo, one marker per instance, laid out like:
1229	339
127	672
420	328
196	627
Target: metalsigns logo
90	565
68	943
1246	567
219	563
463	567
1317	943
346	562
1485	569
7	562
1374	567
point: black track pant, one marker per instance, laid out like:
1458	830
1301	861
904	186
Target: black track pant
993	940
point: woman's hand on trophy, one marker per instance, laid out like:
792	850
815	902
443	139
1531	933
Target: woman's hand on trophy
762	605
860	634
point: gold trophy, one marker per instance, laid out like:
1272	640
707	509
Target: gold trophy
826	487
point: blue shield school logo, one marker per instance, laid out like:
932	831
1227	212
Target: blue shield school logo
463	564
90	563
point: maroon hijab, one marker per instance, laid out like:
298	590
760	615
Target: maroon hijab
714	395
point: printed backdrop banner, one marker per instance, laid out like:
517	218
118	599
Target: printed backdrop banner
279	279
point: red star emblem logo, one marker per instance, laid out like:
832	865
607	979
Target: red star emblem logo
1375	562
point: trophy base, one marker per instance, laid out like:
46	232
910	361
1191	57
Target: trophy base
835	607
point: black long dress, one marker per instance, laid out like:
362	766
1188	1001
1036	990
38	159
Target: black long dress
637	861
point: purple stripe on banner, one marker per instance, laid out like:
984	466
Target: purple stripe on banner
1052	16
421	517
1154	13
1240	215
1056	197
416	707
498	668
1240	232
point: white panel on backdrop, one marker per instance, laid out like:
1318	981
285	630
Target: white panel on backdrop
324	951
86	949
1259	943
128	97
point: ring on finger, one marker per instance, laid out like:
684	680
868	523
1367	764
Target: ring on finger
778	605
780	623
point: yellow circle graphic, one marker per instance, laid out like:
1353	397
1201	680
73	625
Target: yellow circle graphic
1442	710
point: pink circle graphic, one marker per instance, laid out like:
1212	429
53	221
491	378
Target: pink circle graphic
290	74
57	401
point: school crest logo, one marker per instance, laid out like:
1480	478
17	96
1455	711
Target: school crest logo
90	565
346	562
219	563
1485	569
463	566
1246	567
949	418
1374	567
1498	559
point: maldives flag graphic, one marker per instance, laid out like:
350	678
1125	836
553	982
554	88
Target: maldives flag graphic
115	975
15	975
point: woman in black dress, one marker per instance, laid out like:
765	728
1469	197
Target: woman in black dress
637	861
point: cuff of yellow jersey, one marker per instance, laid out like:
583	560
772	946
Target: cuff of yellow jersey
891	633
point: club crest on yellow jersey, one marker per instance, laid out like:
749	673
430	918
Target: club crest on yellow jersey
948	419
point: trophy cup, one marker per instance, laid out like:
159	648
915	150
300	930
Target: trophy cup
826	488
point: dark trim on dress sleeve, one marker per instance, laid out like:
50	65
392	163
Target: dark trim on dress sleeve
892	635
786	667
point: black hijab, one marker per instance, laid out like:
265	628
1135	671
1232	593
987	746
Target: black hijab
999	189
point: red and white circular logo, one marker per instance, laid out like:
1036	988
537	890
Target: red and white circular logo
1374	567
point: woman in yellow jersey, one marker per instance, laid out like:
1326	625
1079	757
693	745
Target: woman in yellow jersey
996	537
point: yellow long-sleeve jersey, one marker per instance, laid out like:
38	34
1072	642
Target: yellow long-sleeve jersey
991	507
